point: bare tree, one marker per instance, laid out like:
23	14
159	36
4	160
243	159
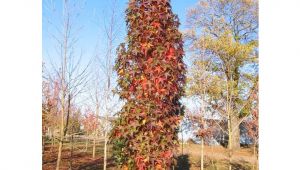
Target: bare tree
105	60
72	75
203	118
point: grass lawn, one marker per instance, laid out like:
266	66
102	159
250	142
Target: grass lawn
216	158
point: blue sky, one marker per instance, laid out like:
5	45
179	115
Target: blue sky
90	20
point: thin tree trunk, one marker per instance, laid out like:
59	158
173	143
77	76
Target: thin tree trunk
181	142
214	162
229	123
59	154
229	143
202	153
61	138
94	147
105	151
86	144
63	130
52	140
98	115
254	155
229	138
43	143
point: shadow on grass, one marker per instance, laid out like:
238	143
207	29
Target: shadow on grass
183	162
96	165
242	165
92	165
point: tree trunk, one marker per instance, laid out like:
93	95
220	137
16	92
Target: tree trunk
229	146
202	153
86	144
94	147
254	155
52	140
61	138
105	149
214	162
181	143
59	154
235	133
233	136
43	143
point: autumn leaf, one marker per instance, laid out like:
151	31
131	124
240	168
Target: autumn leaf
131	88
150	60
158	167
125	168
160	124
162	90
156	24
167	154
146	46
144	84
121	72
170	54
180	65
158	69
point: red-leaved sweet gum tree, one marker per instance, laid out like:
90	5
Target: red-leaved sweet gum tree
151	77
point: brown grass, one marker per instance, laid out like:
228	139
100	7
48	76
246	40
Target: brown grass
80	160
216	158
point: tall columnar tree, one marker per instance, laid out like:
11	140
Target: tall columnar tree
151	76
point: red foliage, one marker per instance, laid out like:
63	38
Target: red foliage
151	79
50	105
205	128
90	122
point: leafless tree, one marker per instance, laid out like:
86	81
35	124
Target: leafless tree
72	75
105	60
